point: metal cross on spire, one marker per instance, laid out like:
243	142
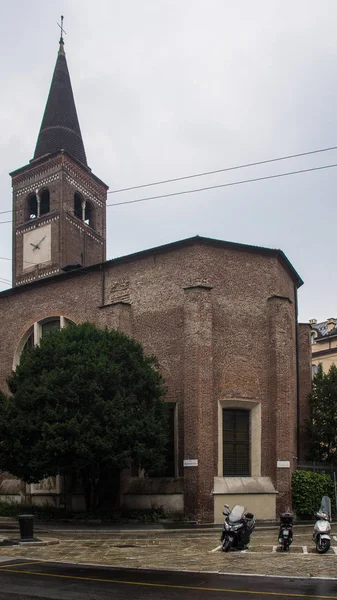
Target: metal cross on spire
62	30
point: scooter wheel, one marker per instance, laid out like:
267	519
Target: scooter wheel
323	546
226	546
285	545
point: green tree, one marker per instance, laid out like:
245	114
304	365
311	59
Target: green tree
323	416
85	401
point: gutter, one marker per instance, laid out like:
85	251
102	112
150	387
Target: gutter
297	378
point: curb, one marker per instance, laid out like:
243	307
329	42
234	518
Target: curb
180	570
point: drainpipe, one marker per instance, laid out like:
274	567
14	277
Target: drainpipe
297	379
102	285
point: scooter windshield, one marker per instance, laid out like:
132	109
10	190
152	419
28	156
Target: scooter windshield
326	506
236	513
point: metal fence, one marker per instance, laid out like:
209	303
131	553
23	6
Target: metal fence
328	468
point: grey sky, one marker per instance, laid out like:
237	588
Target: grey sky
165	88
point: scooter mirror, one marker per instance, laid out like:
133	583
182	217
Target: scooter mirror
226	505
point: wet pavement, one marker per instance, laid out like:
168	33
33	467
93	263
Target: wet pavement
24	580
182	550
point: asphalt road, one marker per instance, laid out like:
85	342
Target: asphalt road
25	580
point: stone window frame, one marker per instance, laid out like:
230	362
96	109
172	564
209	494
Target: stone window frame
254	408
36	329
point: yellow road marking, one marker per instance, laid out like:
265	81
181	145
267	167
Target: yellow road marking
171	586
23	564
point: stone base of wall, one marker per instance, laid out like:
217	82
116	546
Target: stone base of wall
263	506
170	503
256	494
144	493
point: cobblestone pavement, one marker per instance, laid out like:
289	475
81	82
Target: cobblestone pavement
184	550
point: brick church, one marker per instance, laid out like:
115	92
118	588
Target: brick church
221	317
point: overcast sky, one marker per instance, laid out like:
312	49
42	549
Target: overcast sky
167	88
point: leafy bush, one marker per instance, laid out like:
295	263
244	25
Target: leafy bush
10	509
307	491
44	512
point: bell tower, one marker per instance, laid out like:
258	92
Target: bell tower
59	205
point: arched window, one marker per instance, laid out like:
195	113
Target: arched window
44	202
31	208
49	326
29	343
89	214
78	205
83	210
38	204
37	331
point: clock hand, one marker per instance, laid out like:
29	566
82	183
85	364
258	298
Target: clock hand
41	241
37	246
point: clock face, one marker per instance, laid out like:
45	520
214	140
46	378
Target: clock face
37	247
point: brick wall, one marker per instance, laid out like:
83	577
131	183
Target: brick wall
72	240
222	324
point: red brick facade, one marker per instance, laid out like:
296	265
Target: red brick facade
71	239
221	319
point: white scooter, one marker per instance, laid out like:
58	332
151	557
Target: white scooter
322	527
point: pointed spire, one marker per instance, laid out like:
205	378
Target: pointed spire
60	129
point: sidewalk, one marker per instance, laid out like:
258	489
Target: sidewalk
181	550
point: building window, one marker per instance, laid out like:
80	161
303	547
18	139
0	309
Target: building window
83	210
44	202
49	326
34	334
236	442
78	205
89	214
313	337
170	449
314	370
38	204
31	211
29	343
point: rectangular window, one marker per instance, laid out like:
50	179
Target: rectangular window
236	442
170	470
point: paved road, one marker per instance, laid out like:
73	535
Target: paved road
25	580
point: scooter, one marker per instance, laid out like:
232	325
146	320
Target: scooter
237	528
322	527
285	536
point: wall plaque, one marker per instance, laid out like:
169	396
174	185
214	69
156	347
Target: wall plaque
190	462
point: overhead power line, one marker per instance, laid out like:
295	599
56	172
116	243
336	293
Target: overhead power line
221	185
224	170
244	166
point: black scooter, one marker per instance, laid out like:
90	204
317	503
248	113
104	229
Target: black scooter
237	528
285	536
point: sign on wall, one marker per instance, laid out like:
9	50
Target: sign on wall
190	462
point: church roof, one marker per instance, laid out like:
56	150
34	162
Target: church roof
60	129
